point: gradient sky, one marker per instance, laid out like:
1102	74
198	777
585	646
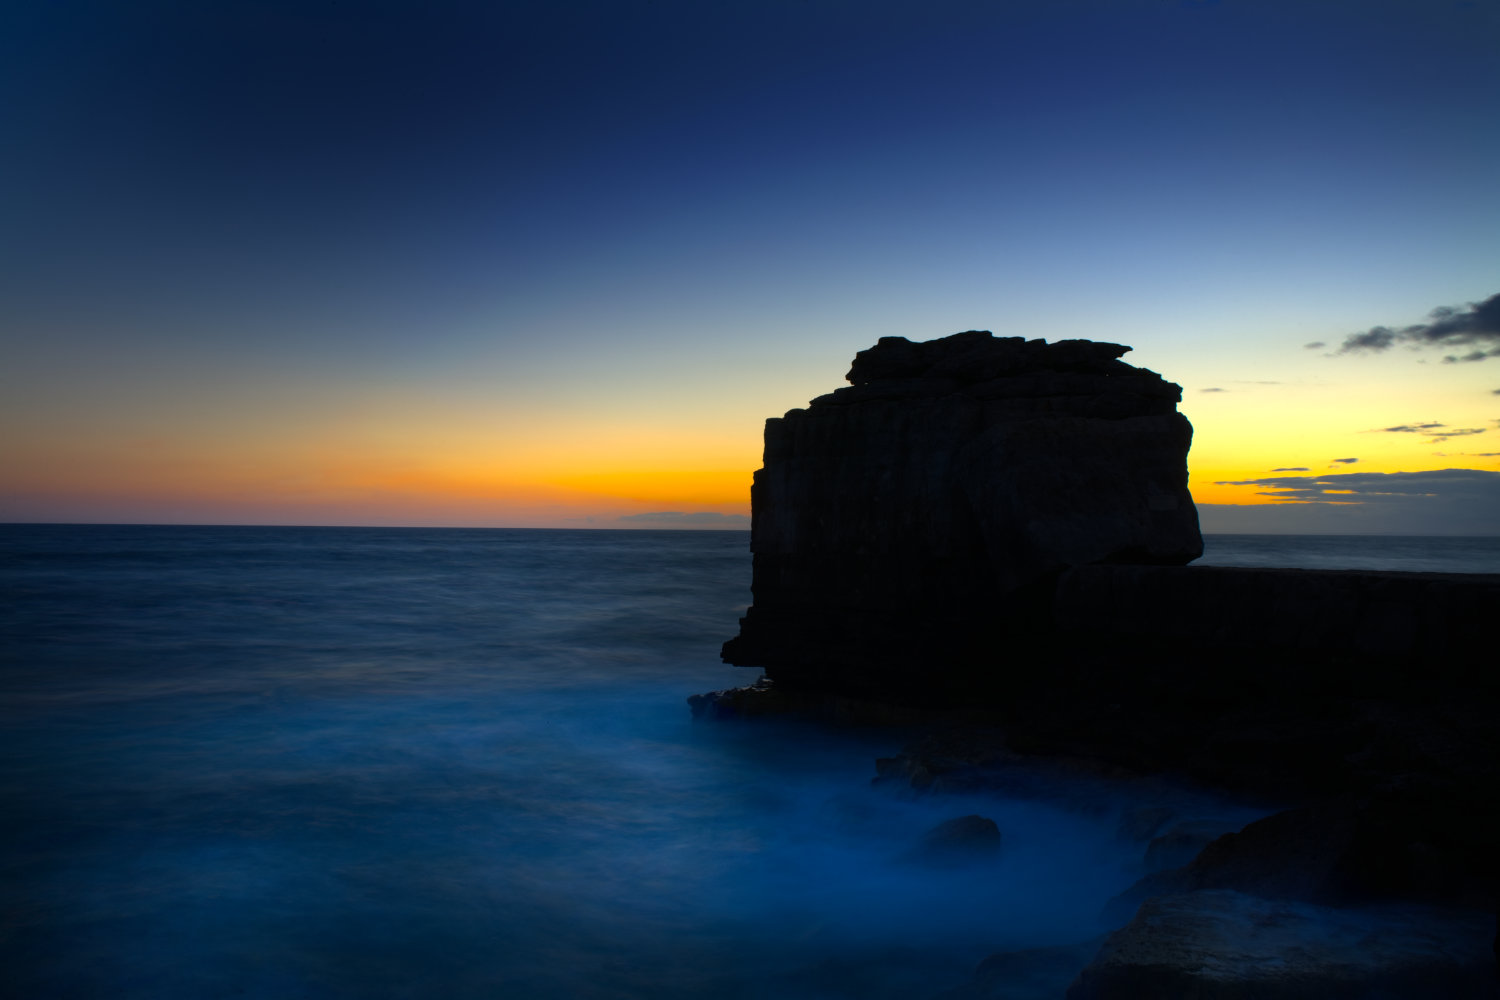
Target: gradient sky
553	264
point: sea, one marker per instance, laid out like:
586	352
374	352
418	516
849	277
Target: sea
266	762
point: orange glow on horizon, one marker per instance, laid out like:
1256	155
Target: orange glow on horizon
1211	485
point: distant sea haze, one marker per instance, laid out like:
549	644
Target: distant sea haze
382	763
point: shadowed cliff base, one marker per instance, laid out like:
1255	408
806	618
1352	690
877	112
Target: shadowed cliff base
995	531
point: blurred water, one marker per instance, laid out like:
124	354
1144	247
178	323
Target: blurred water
1404	553
378	763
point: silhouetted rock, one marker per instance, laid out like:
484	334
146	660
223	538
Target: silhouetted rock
998	524
1223	945
899	523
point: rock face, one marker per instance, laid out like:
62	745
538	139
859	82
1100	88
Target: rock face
912	516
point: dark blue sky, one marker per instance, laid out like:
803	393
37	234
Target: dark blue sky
305	201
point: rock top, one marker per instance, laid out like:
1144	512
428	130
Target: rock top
1083	377
978	356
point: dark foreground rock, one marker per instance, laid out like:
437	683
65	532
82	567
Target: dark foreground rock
1405	843
1217	944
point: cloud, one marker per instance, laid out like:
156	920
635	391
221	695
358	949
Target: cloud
680	519
1316	345
1430	431
1476	325
1213	389
1376	487
1293	468
1343	461
1437	502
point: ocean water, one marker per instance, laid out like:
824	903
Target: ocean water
1405	553
391	763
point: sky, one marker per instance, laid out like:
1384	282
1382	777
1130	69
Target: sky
553	264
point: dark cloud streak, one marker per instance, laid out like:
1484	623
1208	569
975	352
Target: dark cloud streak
1476	325
1430	430
1380	487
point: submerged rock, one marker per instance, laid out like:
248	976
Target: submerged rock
1026	974
760	698
958	841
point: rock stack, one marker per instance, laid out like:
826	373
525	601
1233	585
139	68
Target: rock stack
913	520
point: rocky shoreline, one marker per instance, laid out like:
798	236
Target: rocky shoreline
988	536
1370	894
